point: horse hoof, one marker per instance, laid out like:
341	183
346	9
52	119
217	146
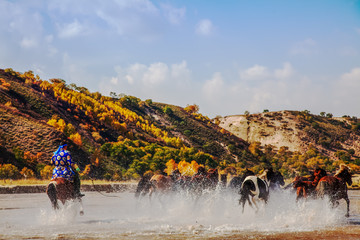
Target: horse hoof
81	213
347	215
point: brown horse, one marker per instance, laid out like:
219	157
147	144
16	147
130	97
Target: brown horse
63	190
203	180
160	184
305	186
335	187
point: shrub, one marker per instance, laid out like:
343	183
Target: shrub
9	171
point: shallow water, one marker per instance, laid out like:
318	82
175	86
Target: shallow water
215	215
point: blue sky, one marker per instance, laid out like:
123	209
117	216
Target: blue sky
228	57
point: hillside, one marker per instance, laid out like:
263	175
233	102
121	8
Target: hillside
298	131
116	137
120	137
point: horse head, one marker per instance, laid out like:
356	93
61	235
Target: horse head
319	173
275	179
279	178
345	174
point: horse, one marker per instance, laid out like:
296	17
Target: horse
63	190
335	187
161	184
235	182
257	187
276	181
305	186
144	185
156	183
203	180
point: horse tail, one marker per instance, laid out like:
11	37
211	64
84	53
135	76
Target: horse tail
51	192
245	192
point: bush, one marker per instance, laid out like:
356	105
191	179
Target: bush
167	110
9	171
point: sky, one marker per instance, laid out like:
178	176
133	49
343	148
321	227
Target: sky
226	56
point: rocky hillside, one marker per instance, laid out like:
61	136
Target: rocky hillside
297	131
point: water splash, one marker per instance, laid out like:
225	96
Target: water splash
66	214
214	214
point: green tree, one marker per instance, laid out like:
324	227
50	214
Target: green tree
329	115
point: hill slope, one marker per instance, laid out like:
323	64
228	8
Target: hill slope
113	137
297	131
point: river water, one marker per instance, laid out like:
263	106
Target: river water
215	215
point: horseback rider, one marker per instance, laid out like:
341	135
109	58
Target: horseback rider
66	168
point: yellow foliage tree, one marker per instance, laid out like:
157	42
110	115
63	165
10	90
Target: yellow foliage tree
188	169
46	172
171	166
76	138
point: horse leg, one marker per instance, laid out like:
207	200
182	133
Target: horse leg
81	206
51	192
347	206
256	206
299	193
151	191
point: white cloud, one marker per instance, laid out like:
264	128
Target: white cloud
71	29
174	15
285	72
168	83
351	79
141	75
114	80
204	27
180	73
28	42
254	73
156	74
213	88
305	47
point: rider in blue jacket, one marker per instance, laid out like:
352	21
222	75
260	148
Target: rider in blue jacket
64	168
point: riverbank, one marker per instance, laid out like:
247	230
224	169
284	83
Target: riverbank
41	188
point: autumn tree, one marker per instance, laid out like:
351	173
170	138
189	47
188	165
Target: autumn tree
192	108
27	173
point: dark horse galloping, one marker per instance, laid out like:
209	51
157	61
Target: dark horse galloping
335	187
63	190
